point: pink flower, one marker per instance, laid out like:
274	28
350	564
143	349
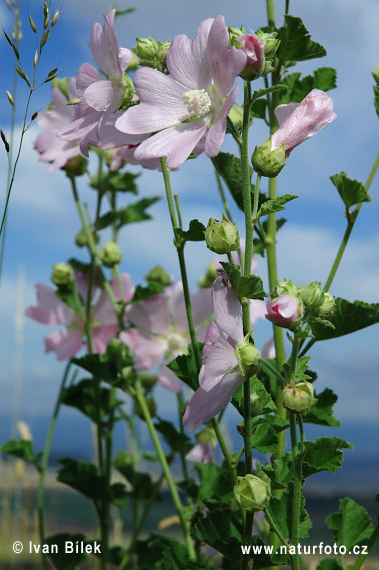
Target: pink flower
51	148
253	48
66	342
201	452
100	97
284	311
220	375
161	331
300	121
192	103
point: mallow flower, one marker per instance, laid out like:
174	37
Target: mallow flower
100	96
67	341
161	331
52	149
224	359
284	311
191	104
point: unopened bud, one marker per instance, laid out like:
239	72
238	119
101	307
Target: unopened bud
285	287
110	254
271	43
62	274
253	492
312	295
268	162
222	237
81	238
298	398
248	357
327	307
76	166
158	275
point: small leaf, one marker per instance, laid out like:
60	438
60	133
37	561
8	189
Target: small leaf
22	449
322	412
184	366
281	510
351	525
295	43
323	455
351	191
61	559
142	293
347	317
195	232
263	92
251	287
272	206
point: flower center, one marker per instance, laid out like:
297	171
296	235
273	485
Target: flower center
198	102
175	342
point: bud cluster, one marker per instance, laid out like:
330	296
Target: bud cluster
259	48
152	54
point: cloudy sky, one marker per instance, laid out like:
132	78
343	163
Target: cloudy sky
42	219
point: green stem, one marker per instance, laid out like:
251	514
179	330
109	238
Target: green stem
273	371
166	469
270	8
44	463
179	399
224	448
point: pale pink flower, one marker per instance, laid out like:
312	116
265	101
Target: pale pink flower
52	149
201	452
66	342
284	311
220	375
161	332
101	96
300	121
191	104
254	49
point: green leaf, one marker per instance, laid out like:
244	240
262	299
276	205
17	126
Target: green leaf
142	293
329	564
263	92
216	483
351	525
347	318
261	401
322	412
251	287
301	370
98	365
272	206
283	467
184	366
116	182
376	99
228	167
295	43
133	213
82	397
323	455
175	439
222	529
23	449
351	191
83	477
167	554
65	560
195	232
323	78
281	510
143	488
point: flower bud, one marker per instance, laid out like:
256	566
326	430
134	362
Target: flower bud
252	492
118	353
222	237
162	52
271	43
110	254
206	435
76	166
254	50
285	311
286	287
146	50
298	398
81	238
148	381
62	274
248	357
312	295
158	275
268	162
327	307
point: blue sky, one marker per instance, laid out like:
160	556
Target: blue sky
42	218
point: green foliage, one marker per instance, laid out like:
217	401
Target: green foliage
351	525
228	167
250	287
281	510
323	78
115	182
82	397
83	477
261	401
347	317
329	564
62	560
161	553
23	449
323	455
184	366
142	293
272	206
351	191
295	43
176	440
143	488
133	213
195	232
322	411
99	366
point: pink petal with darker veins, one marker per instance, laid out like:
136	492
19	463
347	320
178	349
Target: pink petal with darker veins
65	343
50	310
227	309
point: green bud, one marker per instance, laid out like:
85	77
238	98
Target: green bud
222	237
298	398
118	353
128	91
248	357
236	115
235	33
268	162
375	74
81	238
158	275
76	166
162	52
256	404
110	254
133	65
62	274
327	307
146	48
312	295
272	43
286	287
148	381
252	492
208	279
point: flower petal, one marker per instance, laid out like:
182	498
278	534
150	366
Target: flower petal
50	310
101	336
149	349
65	343
219	358
169	380
103	96
217	130
227	309
152	315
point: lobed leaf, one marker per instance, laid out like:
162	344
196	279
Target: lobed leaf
347	317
